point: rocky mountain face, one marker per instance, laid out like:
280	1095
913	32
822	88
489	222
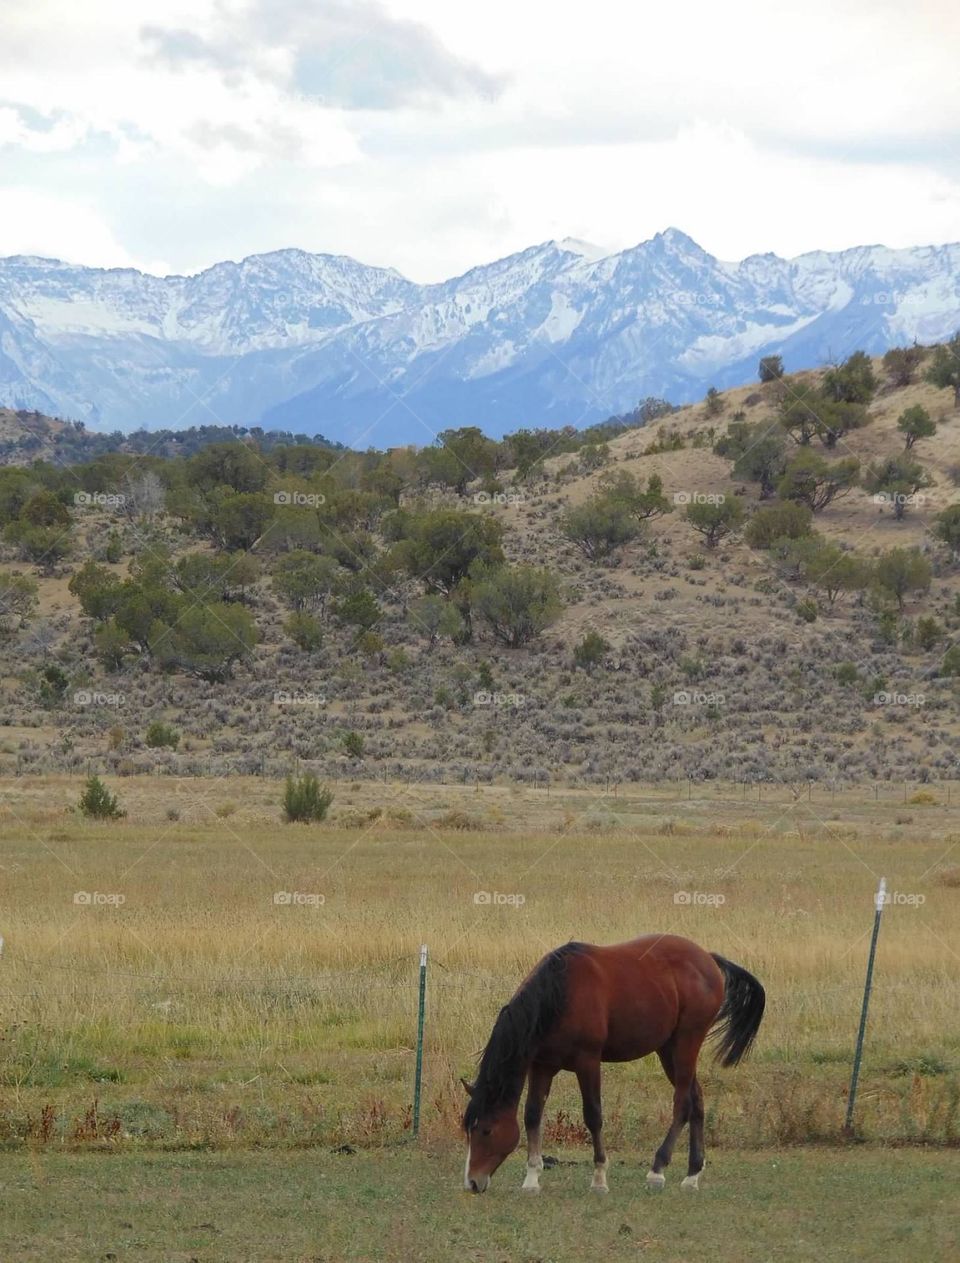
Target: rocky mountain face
561	333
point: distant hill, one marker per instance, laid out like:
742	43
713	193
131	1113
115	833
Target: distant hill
29	436
559	334
666	658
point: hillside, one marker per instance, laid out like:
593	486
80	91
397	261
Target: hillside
557	334
710	669
27	436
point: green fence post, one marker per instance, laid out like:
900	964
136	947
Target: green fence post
879	900
418	1080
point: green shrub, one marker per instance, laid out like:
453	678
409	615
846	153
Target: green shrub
53	685
160	736
807	611
305	800
517	602
590	651
714	517
305	631
599	527
776	522
929	632
951	661
97	803
114	549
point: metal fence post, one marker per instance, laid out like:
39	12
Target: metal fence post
418	1077
879	900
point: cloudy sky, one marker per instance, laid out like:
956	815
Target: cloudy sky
432	135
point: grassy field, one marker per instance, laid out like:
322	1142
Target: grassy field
805	1205
181	1005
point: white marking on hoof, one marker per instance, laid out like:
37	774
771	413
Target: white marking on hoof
656	1180
531	1182
599	1184
691	1182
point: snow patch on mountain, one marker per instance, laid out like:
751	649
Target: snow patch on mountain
562	332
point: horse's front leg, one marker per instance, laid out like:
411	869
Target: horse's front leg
538	1089
588	1076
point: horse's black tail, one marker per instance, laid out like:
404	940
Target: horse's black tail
740	1014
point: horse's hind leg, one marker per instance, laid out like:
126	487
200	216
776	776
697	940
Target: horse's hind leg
538	1089
692	1178
679	1059
588	1076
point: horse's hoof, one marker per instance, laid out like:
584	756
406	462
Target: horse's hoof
599	1188
530	1188
691	1183
655	1181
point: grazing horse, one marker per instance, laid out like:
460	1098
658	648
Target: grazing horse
583	1005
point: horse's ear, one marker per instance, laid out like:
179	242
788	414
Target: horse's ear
467	1087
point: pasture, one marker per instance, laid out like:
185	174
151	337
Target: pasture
198	998
802	1206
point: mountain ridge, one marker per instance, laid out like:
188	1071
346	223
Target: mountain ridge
559	333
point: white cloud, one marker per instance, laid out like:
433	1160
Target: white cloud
57	227
432	136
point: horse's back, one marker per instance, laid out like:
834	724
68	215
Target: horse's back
640	992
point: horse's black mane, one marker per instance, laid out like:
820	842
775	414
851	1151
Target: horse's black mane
520	1026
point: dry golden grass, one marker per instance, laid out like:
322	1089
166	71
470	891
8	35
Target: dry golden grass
199	1010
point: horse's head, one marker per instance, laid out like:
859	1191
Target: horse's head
491	1137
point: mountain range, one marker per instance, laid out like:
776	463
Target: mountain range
561	333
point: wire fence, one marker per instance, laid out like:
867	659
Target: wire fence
408	972
770	788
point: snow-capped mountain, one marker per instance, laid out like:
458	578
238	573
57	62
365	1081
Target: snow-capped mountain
561	333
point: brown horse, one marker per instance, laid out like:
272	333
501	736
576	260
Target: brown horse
583	1005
